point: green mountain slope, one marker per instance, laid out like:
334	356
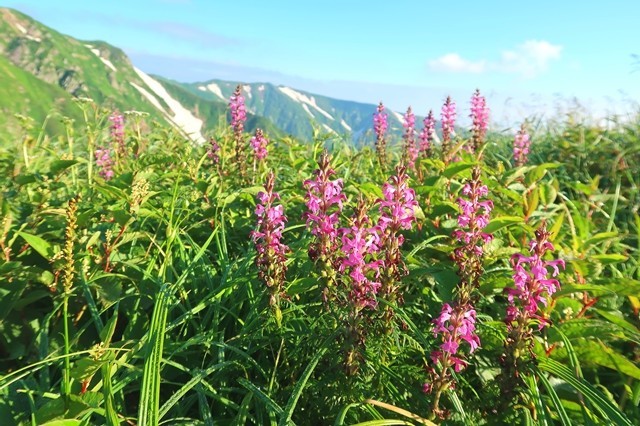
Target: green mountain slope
43	70
297	112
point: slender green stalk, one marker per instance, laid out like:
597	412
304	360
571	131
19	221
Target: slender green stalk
67	289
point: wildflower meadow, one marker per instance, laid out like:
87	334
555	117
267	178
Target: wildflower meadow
436	274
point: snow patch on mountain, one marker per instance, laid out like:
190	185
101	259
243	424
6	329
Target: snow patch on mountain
261	88
398	116
345	125
304	99
204	89
247	90
22	29
215	89
306	108
104	60
328	129
182	117
149	97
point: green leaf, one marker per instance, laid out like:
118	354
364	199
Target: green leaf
555	399
500	222
455	168
58	165
598	238
38	244
63	422
604	406
609	258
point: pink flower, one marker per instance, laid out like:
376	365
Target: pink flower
259	144
521	144
238	109
410	151
271	258
213	151
321	215
448	119
360	243
117	132
380	123
427	133
380	126
105	163
532	283
480	117
397	208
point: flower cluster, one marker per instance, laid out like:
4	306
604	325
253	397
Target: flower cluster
213	152
397	208
532	284
531	291
238	117
238	109
104	162
321	217
427	134
271	251
117	132
473	218
410	154
360	242
456	322
448	121
259	144
397	212
480	117
380	125
521	144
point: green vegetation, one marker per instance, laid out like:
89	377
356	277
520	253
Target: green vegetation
137	300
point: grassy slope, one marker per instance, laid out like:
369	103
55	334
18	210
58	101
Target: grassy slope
22	93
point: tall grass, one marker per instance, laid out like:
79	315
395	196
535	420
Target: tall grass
151	311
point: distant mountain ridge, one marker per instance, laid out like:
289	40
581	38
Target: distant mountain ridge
42	70
296	111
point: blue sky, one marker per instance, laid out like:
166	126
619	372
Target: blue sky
523	55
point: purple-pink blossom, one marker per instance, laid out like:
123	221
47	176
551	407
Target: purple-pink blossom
480	118
397	208
380	125
521	144
213	152
360	243
448	119
397	212
534	281
117	132
259	144
238	109
410	151
427	133
324	204
104	162
271	252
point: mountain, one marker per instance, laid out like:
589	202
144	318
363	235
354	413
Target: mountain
42	70
295	111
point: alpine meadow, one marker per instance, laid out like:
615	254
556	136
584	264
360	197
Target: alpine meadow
226	253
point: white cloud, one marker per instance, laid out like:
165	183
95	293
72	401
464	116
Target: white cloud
530	58
454	62
527	59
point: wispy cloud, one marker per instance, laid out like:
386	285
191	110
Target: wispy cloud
190	33
456	63
528	59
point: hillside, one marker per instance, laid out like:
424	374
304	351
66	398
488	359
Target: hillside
297	112
44	70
